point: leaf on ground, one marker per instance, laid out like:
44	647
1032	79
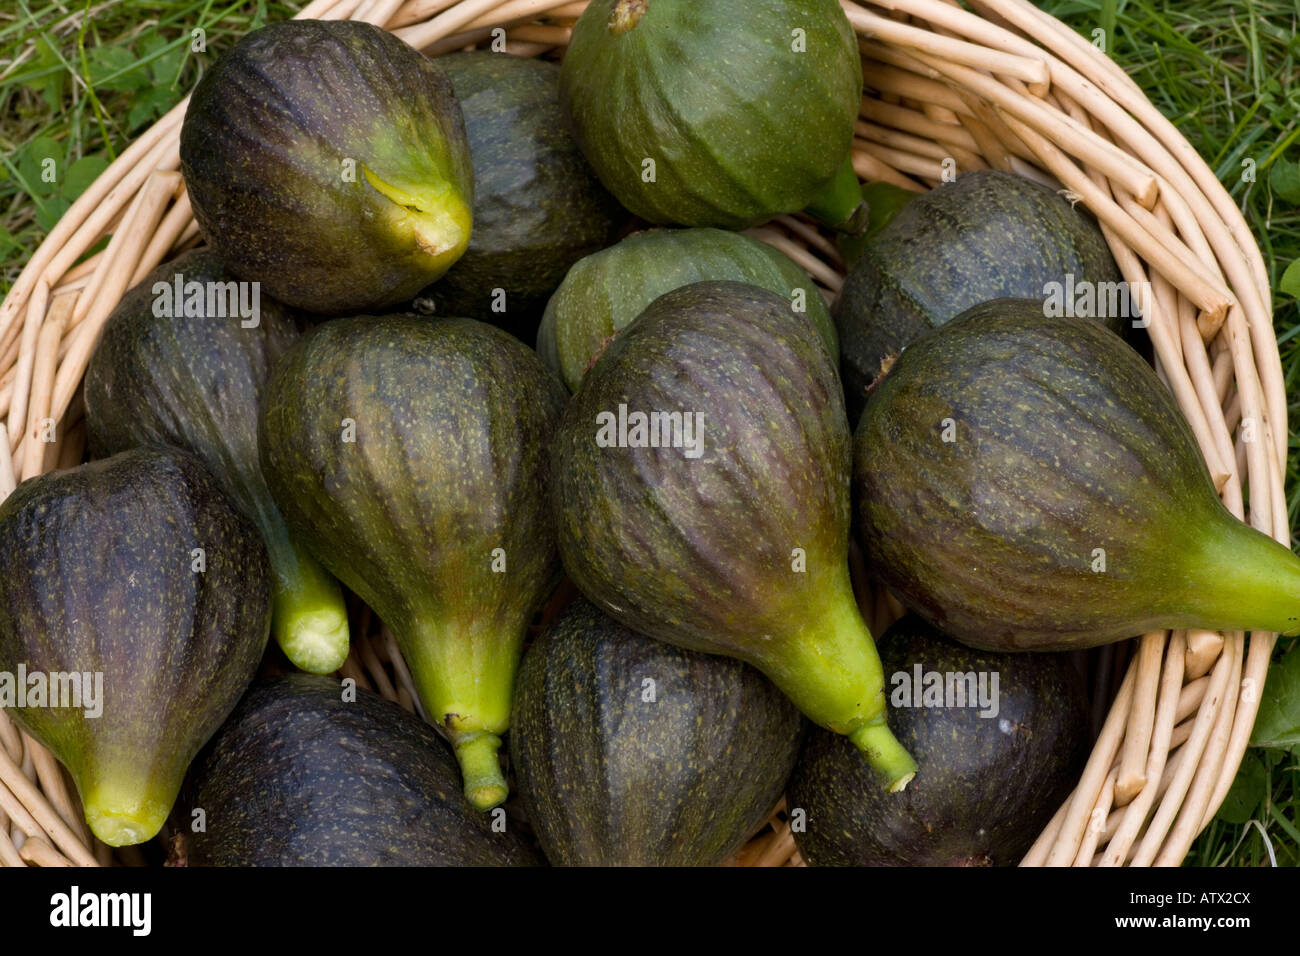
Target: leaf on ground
1290	281
39	175
116	68
47	216
52	82
1246	793
1278	722
150	104
81	174
1284	179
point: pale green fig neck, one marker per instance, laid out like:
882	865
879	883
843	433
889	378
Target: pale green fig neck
832	672
465	676
309	618
1240	579
480	769
125	812
435	216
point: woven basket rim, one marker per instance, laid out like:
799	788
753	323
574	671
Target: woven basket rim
1004	86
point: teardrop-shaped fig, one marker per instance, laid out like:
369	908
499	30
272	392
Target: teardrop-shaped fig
701	487
1028	483
135	577
411	454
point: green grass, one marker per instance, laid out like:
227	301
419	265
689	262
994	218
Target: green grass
79	82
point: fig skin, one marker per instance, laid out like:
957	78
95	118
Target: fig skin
136	567
328	161
306	773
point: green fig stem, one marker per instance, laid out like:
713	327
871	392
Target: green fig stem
436	218
885	754
1243	580
832	672
310	620
480	767
840	205
121	815
465	675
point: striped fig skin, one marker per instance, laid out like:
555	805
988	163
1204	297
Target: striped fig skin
611	778
195	381
538	206
741	549
189	381
443	478
96	574
605	291
1065	445
699	552
278	147
989	781
742	124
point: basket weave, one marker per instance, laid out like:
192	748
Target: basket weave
1008	87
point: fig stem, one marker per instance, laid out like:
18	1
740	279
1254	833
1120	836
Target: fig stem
885	754
485	786
310	620
626	14
840	205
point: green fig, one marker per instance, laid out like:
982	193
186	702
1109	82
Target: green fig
1028	483
701	487
410	454
191	374
136	574
328	161
606	290
718	113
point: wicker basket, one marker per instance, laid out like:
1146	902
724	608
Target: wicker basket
1008	87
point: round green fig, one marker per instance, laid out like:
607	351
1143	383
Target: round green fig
697	113
605	291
